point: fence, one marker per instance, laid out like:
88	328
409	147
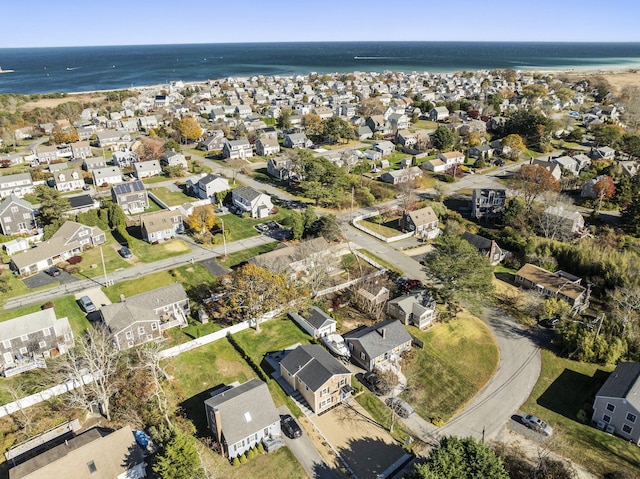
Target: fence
356	223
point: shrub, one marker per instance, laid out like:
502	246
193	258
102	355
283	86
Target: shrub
260	447
251	453
235	461
243	458
47	305
72	269
74	259
582	416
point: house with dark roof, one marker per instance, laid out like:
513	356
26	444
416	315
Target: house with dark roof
485	246
237	149
378	346
69	240
143	317
616	408
132	197
396	177
488	203
173	158
26	339
82	203
423	222
417	308
281	168
248	200
296	140
241	416
161	225
316	322
208	186
439	113
17	217
319	377
97	454
559	285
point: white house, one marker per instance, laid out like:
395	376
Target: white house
248	200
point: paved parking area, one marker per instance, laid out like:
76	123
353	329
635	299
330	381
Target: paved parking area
367	448
43	279
214	267
96	295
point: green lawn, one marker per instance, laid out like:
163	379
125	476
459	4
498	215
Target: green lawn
563	388
112	260
148	253
381	261
382	415
18	288
155	179
242	228
171	198
187	275
388	228
239	257
64	306
458	359
423	125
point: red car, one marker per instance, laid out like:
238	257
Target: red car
412	284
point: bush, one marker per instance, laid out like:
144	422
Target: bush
479	163
260	448
72	269
582	416
251	453
74	259
243	458
235	461
47	305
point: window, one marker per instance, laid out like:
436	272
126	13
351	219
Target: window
26	216
7	344
83	233
265	432
47	331
141	330
324	392
606	418
610	407
23	350
149	337
363	356
22	226
7	219
42	344
130	344
67	338
129	335
24	337
342	382
631	417
92	467
154	326
14	209
627	429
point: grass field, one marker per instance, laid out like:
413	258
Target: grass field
112	260
564	388
234	259
170	198
381	413
388	228
242	228
423	124
458	359
148	253
65	306
381	261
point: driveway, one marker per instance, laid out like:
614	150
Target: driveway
367	448
96	295
43	279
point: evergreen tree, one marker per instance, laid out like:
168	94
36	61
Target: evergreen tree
443	138
52	204
179	459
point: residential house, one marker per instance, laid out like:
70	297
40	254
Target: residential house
143	317
70	240
214	142
296	140
281	168
488	203
81	204
384	147
559	285
106	176
90	164
17	217
379	124
16	246
451	158
378	346
248	200
562	222
417	308
97	454
398	121
113	139
320	378
124	159
439	113
148	122
567	163
406	138
589	187
583	161
550	166
483	152
161	225
316	322
436	165
241	416
132	197
604	153
19	185
47	154
27	338
423	222
81	150
396	177
267	146
237	149
486	247
629	168
147	169
69	180
172	158
616	408
364	132
209	186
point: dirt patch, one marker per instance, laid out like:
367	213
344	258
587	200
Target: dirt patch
324	449
229	368
617	80
54	102
175	246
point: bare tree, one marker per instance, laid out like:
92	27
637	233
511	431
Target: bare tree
150	361
236	165
407	194
630	97
626	302
553	217
94	355
23	419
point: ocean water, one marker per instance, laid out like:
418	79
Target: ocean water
73	69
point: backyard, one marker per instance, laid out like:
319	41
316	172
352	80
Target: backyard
171	198
458	359
239	257
563	389
240	228
385	225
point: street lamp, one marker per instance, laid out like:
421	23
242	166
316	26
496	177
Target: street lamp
224	240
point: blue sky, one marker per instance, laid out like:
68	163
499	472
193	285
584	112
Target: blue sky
45	23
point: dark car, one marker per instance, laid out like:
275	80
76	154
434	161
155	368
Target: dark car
551	323
290	427
125	252
53	271
87	305
376	384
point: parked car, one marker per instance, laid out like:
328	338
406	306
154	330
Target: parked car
551	323
53	271
125	252
377	386
87	305
290	427
401	407
537	424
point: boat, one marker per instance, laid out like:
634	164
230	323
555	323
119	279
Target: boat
6	71
336	345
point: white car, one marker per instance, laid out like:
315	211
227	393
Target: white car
537	424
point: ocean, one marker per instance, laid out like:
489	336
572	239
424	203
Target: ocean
75	69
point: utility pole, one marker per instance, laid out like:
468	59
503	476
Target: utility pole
352	195
224	240
104	268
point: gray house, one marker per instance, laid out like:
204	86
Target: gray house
237	149
378	346
161	225
488	203
147	169
418	309
485	246
19	184
132	197
17	217
396	177
296	140
241	416
267	146
248	200
317	323
209	185
616	408
423	222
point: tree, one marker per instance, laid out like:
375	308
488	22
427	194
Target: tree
455	458
284	120
459	267
630	98
604	188
67	134
52	204
534	128
327	226
515	144
370	107
175	171
336	129
607	135
533	92
202	219
565	94
309	217
150	361
94	354
296	224
630	217
188	129
313	126
443	138
236	165
533	180
631	145
179	458
151	148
